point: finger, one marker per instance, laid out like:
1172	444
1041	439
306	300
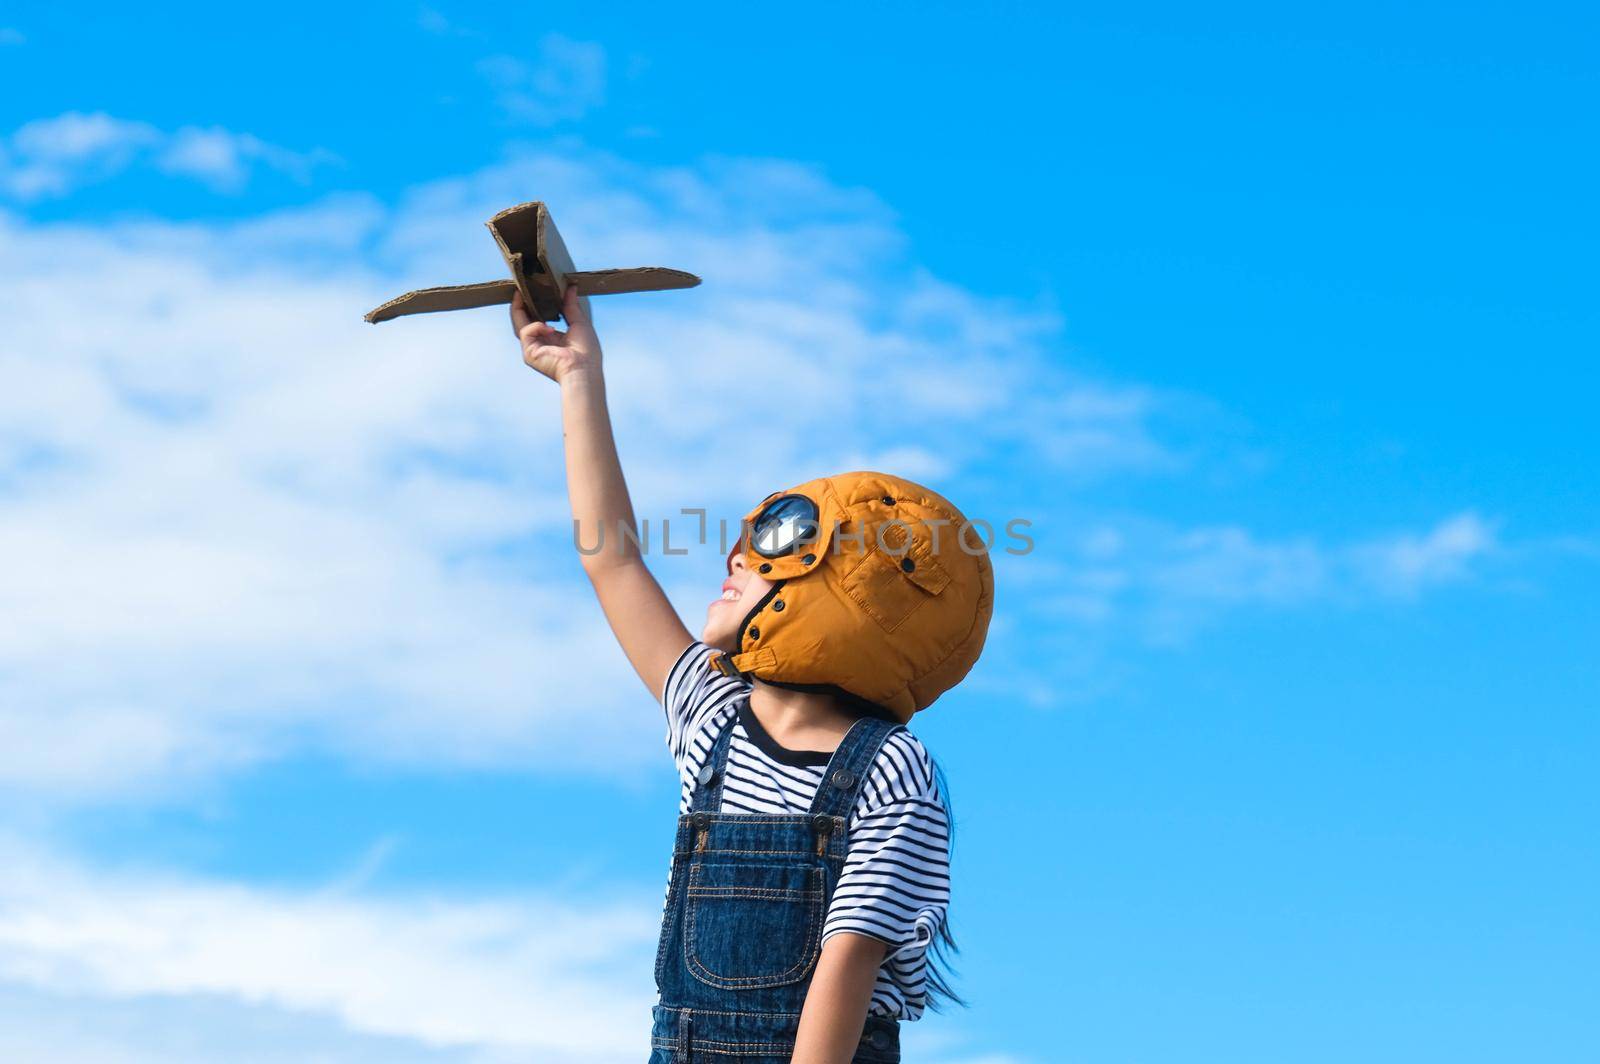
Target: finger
574	307
520	318
541	332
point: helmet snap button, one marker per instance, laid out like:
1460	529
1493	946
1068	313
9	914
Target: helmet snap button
777	607
808	559
907	564
843	778
766	567
755	633
888	500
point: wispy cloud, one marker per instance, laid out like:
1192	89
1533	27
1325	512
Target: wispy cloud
52	156
1230	565
11	36
565	79
333	535
223	159
48	156
110	964
528	977
1407	563
1170	581
434	21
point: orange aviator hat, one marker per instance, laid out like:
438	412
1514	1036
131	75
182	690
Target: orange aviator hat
880	589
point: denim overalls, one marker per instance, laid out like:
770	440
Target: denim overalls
743	923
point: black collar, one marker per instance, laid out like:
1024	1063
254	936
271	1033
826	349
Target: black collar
769	746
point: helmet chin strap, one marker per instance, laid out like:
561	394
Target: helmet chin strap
743	666
723	663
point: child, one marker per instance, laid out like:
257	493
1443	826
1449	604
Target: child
810	873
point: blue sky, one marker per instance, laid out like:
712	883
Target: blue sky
1278	325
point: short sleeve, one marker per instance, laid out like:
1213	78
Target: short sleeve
895	885
693	694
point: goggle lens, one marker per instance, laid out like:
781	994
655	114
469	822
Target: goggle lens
785	524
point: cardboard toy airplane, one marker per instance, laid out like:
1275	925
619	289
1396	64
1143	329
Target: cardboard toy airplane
541	269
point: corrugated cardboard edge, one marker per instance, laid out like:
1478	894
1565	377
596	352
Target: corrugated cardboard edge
445	297
633	279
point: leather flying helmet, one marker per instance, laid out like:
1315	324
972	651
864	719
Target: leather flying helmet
880	590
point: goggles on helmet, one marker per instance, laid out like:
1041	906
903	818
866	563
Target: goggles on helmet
782	526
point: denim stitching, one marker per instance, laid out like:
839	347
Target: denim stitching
734	818
719	1047
756	853
736	1014
768	893
808	958
669	920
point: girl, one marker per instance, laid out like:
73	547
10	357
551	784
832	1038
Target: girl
810	871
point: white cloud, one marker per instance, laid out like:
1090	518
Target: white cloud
1231	565
223	159
41	1026
432	20
111	964
50	157
74	137
1170	581
565	79
254	524
1406	563
250	973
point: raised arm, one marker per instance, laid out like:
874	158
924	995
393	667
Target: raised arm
644	622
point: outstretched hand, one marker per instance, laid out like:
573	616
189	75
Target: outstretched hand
550	350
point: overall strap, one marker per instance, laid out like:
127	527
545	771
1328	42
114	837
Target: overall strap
848	768
707	797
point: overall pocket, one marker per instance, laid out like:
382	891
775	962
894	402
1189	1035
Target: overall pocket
753	925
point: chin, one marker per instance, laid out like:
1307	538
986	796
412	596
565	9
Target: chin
718	636
720	629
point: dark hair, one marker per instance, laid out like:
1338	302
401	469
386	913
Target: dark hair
941	954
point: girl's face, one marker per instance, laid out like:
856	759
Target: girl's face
740	592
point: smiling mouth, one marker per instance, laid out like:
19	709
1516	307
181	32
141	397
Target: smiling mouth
730	595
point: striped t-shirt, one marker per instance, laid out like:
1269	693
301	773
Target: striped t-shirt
895	885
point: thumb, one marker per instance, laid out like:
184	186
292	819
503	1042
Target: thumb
574	308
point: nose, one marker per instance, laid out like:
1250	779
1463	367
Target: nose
736	559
